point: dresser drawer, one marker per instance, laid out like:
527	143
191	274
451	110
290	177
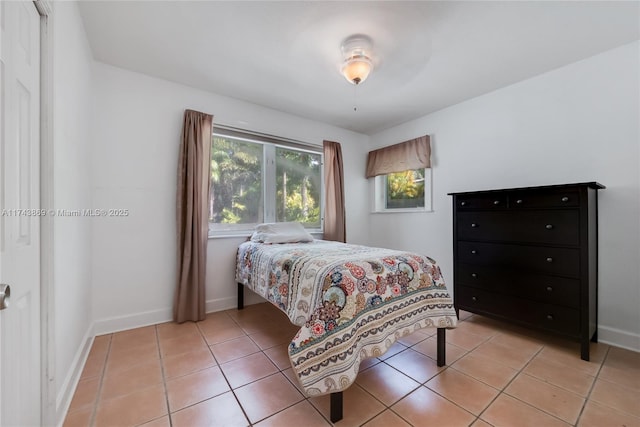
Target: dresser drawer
488	201
477	299
545	260
533	199
559	227
548	289
543	316
554	318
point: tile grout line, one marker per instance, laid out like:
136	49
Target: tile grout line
485	340
449	366
503	389
420	384
304	398
446	366
586	399
280	371
164	379
200	370
231	389
96	403
593	384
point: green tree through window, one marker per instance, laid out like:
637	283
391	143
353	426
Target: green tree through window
236	182
257	181
405	189
298	187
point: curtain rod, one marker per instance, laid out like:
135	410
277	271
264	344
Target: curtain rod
274	138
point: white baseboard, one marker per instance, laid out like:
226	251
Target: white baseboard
222	304
619	338
63	398
138	320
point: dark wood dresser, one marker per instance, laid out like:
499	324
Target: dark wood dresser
530	256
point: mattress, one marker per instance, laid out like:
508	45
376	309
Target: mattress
351	302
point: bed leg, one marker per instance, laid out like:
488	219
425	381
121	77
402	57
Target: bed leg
441	347
240	296
336	406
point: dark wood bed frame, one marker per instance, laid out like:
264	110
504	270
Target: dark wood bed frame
336	398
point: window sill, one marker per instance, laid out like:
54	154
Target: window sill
230	236
392	211
246	235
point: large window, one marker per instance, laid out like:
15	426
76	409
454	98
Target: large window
257	179
403	191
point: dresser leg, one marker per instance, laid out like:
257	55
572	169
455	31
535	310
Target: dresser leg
584	350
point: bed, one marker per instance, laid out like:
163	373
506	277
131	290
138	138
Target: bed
351	303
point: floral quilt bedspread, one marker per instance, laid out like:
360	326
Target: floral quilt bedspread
351	302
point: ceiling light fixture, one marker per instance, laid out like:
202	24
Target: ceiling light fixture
357	64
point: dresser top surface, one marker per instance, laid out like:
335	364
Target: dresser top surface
592	184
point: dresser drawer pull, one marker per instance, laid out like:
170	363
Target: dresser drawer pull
549	226
565	199
473	251
496	202
474	299
474	275
549	259
519	201
549	317
463	203
474	225
549	289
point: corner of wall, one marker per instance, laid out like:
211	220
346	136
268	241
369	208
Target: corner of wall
65	395
138	320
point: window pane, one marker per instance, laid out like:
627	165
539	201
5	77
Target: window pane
405	189
236	182
298	186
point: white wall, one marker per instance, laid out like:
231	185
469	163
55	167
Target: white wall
575	124
135	140
71	190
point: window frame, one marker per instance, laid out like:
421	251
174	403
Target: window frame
379	195
270	144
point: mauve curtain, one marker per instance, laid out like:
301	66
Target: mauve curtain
408	155
334	214
192	216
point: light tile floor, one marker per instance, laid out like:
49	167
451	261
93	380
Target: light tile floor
233	370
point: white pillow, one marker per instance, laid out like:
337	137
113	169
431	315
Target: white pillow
281	232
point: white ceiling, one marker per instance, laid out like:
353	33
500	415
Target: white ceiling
286	55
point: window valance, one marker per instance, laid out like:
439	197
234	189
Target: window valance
408	155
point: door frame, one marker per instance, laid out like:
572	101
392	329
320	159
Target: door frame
47	330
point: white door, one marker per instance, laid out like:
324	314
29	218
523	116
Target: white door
19	214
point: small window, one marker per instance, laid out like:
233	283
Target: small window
256	180
407	191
